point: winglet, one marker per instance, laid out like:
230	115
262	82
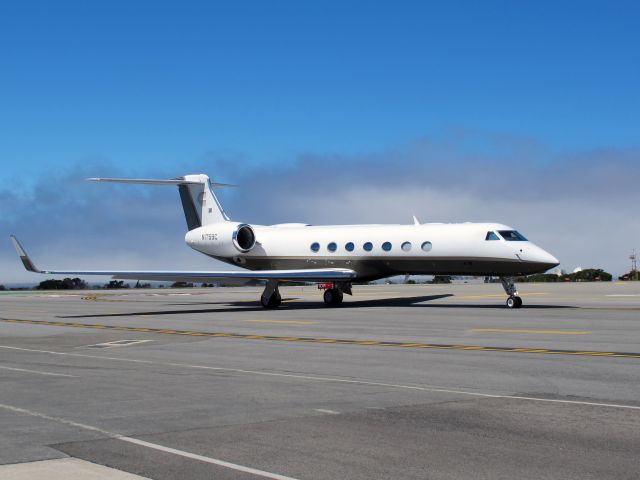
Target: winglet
415	220
26	261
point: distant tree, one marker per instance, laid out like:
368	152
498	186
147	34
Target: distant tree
142	285
114	284
540	278
182	285
66	284
590	275
2	288
630	276
441	279
410	282
587	275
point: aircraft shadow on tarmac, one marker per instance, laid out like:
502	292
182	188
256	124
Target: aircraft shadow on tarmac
293	304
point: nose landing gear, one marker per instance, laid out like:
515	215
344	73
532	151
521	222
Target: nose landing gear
514	300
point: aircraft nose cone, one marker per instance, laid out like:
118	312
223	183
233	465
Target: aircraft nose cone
545	258
535	255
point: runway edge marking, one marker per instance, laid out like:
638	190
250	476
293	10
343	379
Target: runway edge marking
475	348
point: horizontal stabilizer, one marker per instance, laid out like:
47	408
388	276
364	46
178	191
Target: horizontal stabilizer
150	181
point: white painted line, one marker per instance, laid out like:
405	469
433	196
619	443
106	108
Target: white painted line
222	463
424	388
117	343
155	446
329	412
38	372
624	295
56	419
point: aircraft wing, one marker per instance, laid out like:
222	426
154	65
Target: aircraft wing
309	275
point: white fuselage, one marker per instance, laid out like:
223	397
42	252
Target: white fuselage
433	248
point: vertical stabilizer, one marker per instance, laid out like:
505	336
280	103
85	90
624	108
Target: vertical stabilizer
200	204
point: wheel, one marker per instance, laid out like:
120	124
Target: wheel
332	296
338	297
328	296
514	302
273	302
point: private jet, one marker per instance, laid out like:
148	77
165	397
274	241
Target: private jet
333	256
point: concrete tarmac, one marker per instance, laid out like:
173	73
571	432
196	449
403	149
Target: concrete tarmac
424	381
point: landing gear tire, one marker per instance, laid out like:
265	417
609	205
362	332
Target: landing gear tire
273	302
514	302
271	298
332	297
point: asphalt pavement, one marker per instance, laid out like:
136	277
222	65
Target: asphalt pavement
411	381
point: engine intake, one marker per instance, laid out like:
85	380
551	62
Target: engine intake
244	238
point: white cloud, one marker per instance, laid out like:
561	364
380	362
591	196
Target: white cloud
581	206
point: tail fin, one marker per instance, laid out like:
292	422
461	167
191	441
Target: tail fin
200	205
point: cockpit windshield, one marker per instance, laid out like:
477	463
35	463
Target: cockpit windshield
491	236
512	236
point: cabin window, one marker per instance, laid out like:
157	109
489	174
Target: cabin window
491	236
367	246
386	246
426	246
349	246
512	236
315	247
332	247
406	246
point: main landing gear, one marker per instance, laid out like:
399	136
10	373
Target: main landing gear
271	295
332	297
334	292
514	300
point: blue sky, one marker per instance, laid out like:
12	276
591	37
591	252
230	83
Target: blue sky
142	84
241	89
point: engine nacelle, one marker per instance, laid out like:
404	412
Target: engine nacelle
244	238
224	239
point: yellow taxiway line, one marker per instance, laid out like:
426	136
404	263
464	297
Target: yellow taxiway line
546	332
285	322
476	348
